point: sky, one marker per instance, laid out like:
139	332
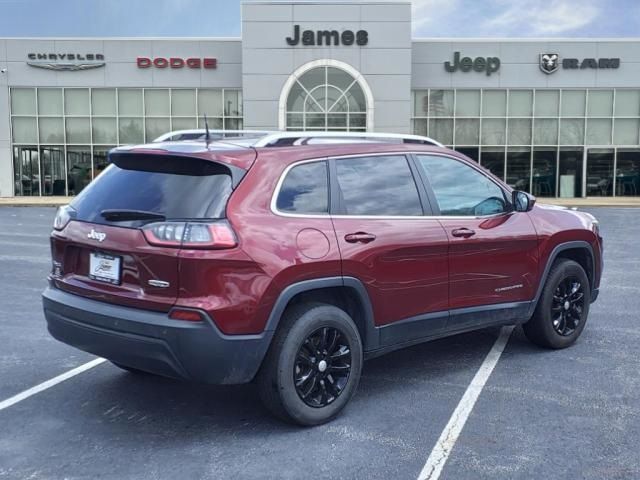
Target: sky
221	18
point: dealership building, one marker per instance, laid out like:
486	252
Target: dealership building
556	117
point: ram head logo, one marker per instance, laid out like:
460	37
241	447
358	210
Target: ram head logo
549	62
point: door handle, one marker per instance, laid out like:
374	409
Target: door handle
463	232
359	237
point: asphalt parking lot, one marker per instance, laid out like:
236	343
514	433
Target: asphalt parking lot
573	413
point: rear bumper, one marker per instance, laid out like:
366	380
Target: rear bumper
152	342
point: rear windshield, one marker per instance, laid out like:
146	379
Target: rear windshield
201	195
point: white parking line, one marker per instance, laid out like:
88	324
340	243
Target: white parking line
440	453
49	383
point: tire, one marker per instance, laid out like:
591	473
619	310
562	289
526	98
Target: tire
561	313
131	369
312	347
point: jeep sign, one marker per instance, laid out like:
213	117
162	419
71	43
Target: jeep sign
479	64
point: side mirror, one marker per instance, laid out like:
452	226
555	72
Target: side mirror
522	201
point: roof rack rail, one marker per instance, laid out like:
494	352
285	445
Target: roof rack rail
281	139
200	133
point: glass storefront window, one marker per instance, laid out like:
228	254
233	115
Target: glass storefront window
545	131
520	103
519	167
441	103
25	130
23	101
78	129
214	123
183	123
627	103
236	124
105	130
547	103
103	102
233	103
468	103
600	103
570	172
100	159
625	131
467	131
52	178
156	102
131	130
519	131
599	172
26	170
76	101
493	131
598	131
420	103
51	130
441	129
494	103
628	172
183	103
130	102
572	131
79	168
472	152
210	103
544	172
492	158
49	101
154	127
573	103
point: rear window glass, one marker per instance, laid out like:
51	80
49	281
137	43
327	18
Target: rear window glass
176	196
305	189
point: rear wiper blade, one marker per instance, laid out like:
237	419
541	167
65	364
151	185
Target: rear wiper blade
128	215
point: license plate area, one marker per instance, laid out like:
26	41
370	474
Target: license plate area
105	268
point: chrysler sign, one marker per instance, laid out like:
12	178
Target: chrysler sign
176	62
66	61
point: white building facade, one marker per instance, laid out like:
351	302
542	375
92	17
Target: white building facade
553	117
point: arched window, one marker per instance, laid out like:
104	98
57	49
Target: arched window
329	96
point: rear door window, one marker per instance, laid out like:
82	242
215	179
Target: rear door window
305	189
378	185
193	189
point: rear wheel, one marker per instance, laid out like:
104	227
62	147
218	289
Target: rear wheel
313	366
563	307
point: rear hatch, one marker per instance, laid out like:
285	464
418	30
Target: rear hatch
103	253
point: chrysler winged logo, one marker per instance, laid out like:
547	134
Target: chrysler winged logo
94	235
66	61
549	62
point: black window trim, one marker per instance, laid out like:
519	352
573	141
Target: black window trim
476	167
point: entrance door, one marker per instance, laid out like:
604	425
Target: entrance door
600	165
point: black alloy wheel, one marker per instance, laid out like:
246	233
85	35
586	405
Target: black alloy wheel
322	367
567	306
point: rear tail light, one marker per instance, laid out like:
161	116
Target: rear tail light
63	216
185	315
191	234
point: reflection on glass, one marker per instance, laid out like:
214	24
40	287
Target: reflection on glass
467	131
519	167
493	131
50	101
545	131
130	101
441	103
233	103
51	130
24	130
156	102
598	131
547	102
520	103
131	131
544	172
570	181
103	102
26	170
600	103
105	130
492	158
154	127
519	131
441	129
76	101
79	168
494	103
625	131
183	102
573	103
599	172
628	172
420	103
467	103
78	130
52	170
627	103
23	101
572	131
100	159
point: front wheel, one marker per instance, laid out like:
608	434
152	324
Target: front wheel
313	367
563	307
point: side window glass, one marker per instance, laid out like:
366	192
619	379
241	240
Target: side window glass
305	189
379	185
461	190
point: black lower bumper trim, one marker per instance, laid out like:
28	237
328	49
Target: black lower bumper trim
152	342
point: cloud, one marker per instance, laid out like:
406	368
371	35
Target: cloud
427	13
533	17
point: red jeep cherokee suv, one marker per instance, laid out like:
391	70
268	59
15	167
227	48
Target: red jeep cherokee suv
227	262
